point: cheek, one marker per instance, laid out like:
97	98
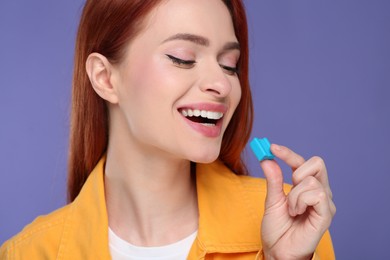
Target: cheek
236	93
142	82
150	91
235	97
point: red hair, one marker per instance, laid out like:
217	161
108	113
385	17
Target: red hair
106	27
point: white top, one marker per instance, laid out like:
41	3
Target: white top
122	250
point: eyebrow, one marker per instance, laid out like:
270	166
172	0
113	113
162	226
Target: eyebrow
200	40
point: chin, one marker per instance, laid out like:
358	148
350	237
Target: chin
208	157
202	151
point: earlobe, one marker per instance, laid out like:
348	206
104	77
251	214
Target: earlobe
99	71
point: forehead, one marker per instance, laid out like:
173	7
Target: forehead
209	18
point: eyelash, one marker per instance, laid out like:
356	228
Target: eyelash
230	70
188	64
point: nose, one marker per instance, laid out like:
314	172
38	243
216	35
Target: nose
215	82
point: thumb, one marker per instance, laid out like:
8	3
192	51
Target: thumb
274	176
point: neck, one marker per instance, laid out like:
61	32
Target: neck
151	199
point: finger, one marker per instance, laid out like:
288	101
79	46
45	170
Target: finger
274	177
315	167
319	201
332	207
308	184
291	158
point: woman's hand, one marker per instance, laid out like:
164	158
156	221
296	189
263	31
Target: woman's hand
293	224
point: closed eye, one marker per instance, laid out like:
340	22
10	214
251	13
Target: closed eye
185	64
229	70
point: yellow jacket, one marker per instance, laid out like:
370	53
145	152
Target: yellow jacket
230	212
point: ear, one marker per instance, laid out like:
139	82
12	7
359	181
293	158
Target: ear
99	71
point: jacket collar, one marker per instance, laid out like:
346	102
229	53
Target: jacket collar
87	224
227	222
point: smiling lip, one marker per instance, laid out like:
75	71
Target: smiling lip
206	130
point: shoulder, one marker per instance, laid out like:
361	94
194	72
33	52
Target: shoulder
223	189
44	232
257	184
252	184
249	184
246	193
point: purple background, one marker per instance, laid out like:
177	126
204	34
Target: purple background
321	83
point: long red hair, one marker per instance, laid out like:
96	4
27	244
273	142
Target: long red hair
106	27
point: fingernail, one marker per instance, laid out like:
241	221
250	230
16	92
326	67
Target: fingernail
277	147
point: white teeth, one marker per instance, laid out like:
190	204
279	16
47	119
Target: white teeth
197	112
202	113
214	115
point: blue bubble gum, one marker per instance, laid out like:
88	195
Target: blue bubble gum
262	149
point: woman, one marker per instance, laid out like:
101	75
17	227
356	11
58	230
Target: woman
161	113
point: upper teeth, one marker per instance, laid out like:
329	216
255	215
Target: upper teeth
202	113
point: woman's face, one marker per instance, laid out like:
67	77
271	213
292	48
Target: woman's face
177	85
